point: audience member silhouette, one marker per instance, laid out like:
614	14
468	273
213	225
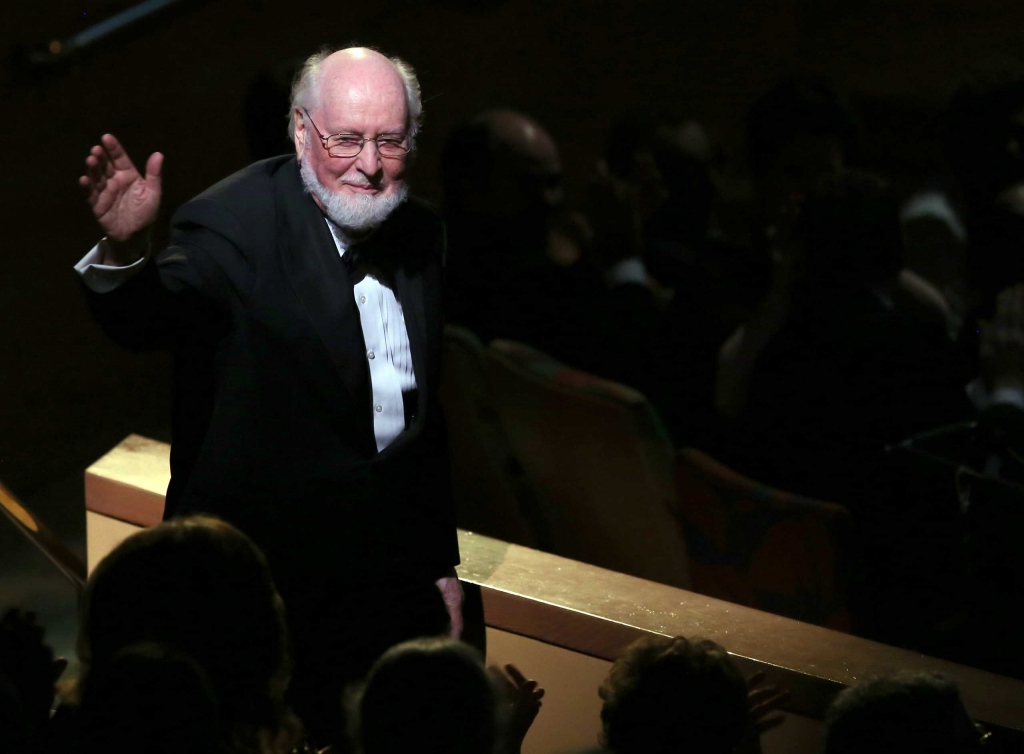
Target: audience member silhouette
666	695
28	672
666	162
904	712
667	169
150	697
984	133
797	134
193	601
831	367
515	262
434	695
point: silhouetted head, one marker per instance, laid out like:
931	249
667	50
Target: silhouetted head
673	695
665	156
984	130
202	589
798	133
503	169
150	697
428	696
849	228
901	713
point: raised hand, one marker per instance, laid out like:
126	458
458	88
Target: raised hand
764	712
123	201
520	699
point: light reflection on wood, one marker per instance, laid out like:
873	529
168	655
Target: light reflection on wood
598	612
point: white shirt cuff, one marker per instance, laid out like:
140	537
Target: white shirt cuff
630	270
103	278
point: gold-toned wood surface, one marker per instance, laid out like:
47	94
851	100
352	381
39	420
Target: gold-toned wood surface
103	534
598	612
129	483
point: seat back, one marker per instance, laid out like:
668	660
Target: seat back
491	495
599	459
761	547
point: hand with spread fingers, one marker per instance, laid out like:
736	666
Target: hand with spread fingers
123	201
764	712
520	700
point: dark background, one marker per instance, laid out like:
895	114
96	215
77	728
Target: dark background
178	84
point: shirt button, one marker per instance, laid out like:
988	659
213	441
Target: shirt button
378	408
362	299
369	354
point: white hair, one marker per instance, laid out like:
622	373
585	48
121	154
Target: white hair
306	91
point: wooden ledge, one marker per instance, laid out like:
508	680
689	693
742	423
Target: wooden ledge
129	483
598	612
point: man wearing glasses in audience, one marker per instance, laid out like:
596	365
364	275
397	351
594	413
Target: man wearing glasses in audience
301	300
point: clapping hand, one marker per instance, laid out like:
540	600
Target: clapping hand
764	712
520	700
123	201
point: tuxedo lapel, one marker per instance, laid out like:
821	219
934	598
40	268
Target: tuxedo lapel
320	282
409	291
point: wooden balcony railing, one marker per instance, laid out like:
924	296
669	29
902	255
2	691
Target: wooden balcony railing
576	618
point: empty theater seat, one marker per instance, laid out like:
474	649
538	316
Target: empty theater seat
599	459
761	547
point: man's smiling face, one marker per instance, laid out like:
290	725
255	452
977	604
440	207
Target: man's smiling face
362	94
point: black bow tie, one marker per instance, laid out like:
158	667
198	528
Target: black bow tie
353	263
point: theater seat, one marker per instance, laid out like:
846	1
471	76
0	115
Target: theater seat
490	492
599	459
761	547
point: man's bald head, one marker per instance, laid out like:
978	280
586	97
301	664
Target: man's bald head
328	74
501	163
520	138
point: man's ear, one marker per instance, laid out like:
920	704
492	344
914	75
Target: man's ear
299	132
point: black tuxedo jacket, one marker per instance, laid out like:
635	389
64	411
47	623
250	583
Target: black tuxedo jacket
272	419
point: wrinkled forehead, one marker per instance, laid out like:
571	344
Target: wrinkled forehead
367	94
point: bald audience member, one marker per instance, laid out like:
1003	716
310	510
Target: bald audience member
515	264
300	298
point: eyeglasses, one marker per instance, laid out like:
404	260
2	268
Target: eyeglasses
349	145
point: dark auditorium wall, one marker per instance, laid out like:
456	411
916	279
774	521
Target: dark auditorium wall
66	394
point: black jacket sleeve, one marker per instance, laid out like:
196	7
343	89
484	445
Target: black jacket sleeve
191	284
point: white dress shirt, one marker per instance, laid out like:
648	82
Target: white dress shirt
387	350
380	314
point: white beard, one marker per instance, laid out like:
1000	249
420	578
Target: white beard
355	212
